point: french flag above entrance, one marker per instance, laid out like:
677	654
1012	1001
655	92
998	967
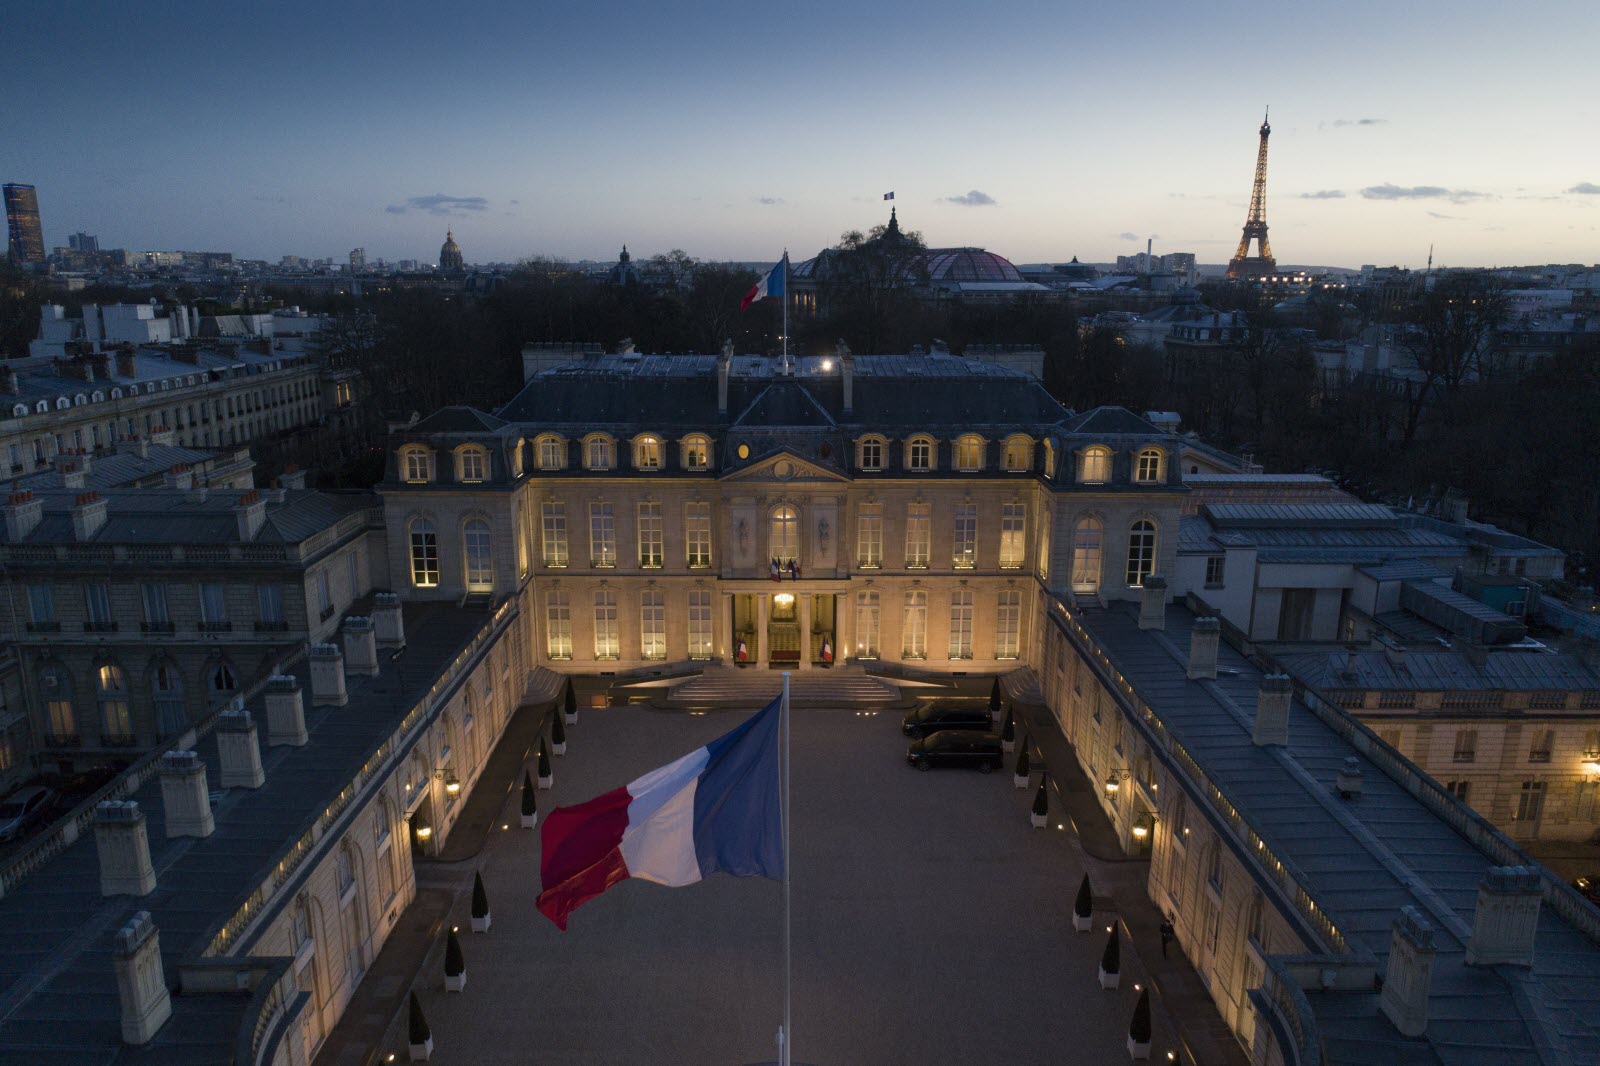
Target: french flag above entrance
719	808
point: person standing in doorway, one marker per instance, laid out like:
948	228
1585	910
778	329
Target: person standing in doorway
1167	934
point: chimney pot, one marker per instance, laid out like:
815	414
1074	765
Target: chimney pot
1507	917
1408	978
1203	641
1153	603
1272	711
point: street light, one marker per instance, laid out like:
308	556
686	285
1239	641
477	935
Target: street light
1115	778
452	784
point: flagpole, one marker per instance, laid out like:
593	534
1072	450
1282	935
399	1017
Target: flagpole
785	1054
786	371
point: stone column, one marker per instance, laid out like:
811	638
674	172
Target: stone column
141	986
1409	976
286	712
843	629
239	750
327	676
805	629
1507	917
722	635
123	844
763	608
360	647
184	795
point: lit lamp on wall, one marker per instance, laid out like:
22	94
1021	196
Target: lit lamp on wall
1591	764
1143	826
784	600
1115	778
452	783
421	827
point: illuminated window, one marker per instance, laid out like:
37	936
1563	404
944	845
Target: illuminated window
116	721
516	458
478	555
1018	454
602	535
964	537
599	453
961	624
417	465
606	642
650	551
915	630
552	453
1141	552
871	453
472	464
697	534
1008	624
785	537
919	453
969	453
867	617
647	453
699	623
424	554
1151	466
917	536
1087	547
56	684
652	624
553	518
558	625
1096	468
696	452
869	536
1013	535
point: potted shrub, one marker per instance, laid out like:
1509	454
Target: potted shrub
546	778
455	964
1041	806
558	734
1111	961
570	708
1083	908
421	1037
480	905
994	698
1008	731
1139	1028
1019	776
530	804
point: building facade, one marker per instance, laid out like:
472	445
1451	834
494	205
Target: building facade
24	233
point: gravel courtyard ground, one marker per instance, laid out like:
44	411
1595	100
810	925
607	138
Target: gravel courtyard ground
931	925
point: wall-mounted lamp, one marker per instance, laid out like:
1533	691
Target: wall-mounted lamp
452	783
1115	778
1591	764
421	827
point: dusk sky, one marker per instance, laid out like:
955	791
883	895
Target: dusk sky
1038	130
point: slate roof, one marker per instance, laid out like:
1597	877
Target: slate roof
1361	862
458	420
1112	421
1429	671
784	403
125	468
169	516
37	378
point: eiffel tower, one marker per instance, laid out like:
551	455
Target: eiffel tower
1243	264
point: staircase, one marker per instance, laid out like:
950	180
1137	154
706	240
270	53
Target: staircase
844	688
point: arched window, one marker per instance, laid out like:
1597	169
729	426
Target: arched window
97	396
223	681
424	554
552	453
1096	466
472	463
870	453
1151	466
969	452
1018	453
116	724
415	464
478	554
383	849
1088	538
1141	552
785	539
116	394
647	452
696	452
166	690
919	453
62	403
43	407
599	452
19	411
56	684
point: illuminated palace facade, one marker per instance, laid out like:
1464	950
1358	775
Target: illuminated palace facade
674	509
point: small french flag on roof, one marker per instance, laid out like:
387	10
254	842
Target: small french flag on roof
888	196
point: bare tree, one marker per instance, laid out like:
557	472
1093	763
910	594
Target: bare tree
1446	338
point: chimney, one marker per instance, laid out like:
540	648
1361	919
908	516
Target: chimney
124	849
72	477
1153	603
179	477
127	362
327	676
8	381
292	478
847	371
1409	976
286	711
1203	640
360	647
724	365
1272	711
239	751
134	445
252	515
163	436
141	984
102	365
23	515
1347	780
184	795
387	622
197	492
273	495
1507	917
88	515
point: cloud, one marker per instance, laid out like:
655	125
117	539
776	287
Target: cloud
1586	188
1323	194
1126	236
1338	122
440	204
770	201
1435	214
1389	191
971	199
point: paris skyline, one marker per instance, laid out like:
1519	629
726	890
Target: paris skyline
1039	132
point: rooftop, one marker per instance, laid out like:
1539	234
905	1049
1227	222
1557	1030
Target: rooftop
177	516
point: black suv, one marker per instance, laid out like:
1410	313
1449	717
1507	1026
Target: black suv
957	747
934	715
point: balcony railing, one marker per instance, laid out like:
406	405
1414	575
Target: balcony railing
44	627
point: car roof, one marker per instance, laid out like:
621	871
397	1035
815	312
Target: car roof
962	736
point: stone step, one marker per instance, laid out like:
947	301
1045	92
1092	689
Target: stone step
753	687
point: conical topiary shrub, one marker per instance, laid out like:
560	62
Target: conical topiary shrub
570	705
419	1035
558	735
1041	806
1008	731
994	697
1111	961
480	905
1139	1028
1020	774
455	964
1083	907
546	778
530	802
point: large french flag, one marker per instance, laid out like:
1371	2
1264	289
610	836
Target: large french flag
771	285
719	808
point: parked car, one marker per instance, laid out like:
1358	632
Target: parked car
24	809
957	747
934	715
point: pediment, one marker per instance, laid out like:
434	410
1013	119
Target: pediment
785	467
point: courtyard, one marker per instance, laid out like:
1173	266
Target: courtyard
931	924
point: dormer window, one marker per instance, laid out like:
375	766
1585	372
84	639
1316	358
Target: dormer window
969	453
416	465
599	452
1096	468
647	453
1018	454
697	452
1150	468
552	452
919	453
472	464
871	453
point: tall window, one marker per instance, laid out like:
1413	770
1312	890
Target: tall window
116	724
868	617
553	529
1013	533
478	551
522	537
1018	454
1543	743
552	453
56	684
1216	571
606	641
650	552
223	681
869	535
699	623
166	689
917	535
1460	789
919	453
964	541
1141	552
1148	468
416	464
872	454
697	533
915	642
647	453
1530	802
474	464
785	540
696	452
424	554
961	624
214	605
652	624
42	605
599	453
155	607
1008	625
557	625
969	452
1466	749
602	535
1096	469
269	604
383	848
97	607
